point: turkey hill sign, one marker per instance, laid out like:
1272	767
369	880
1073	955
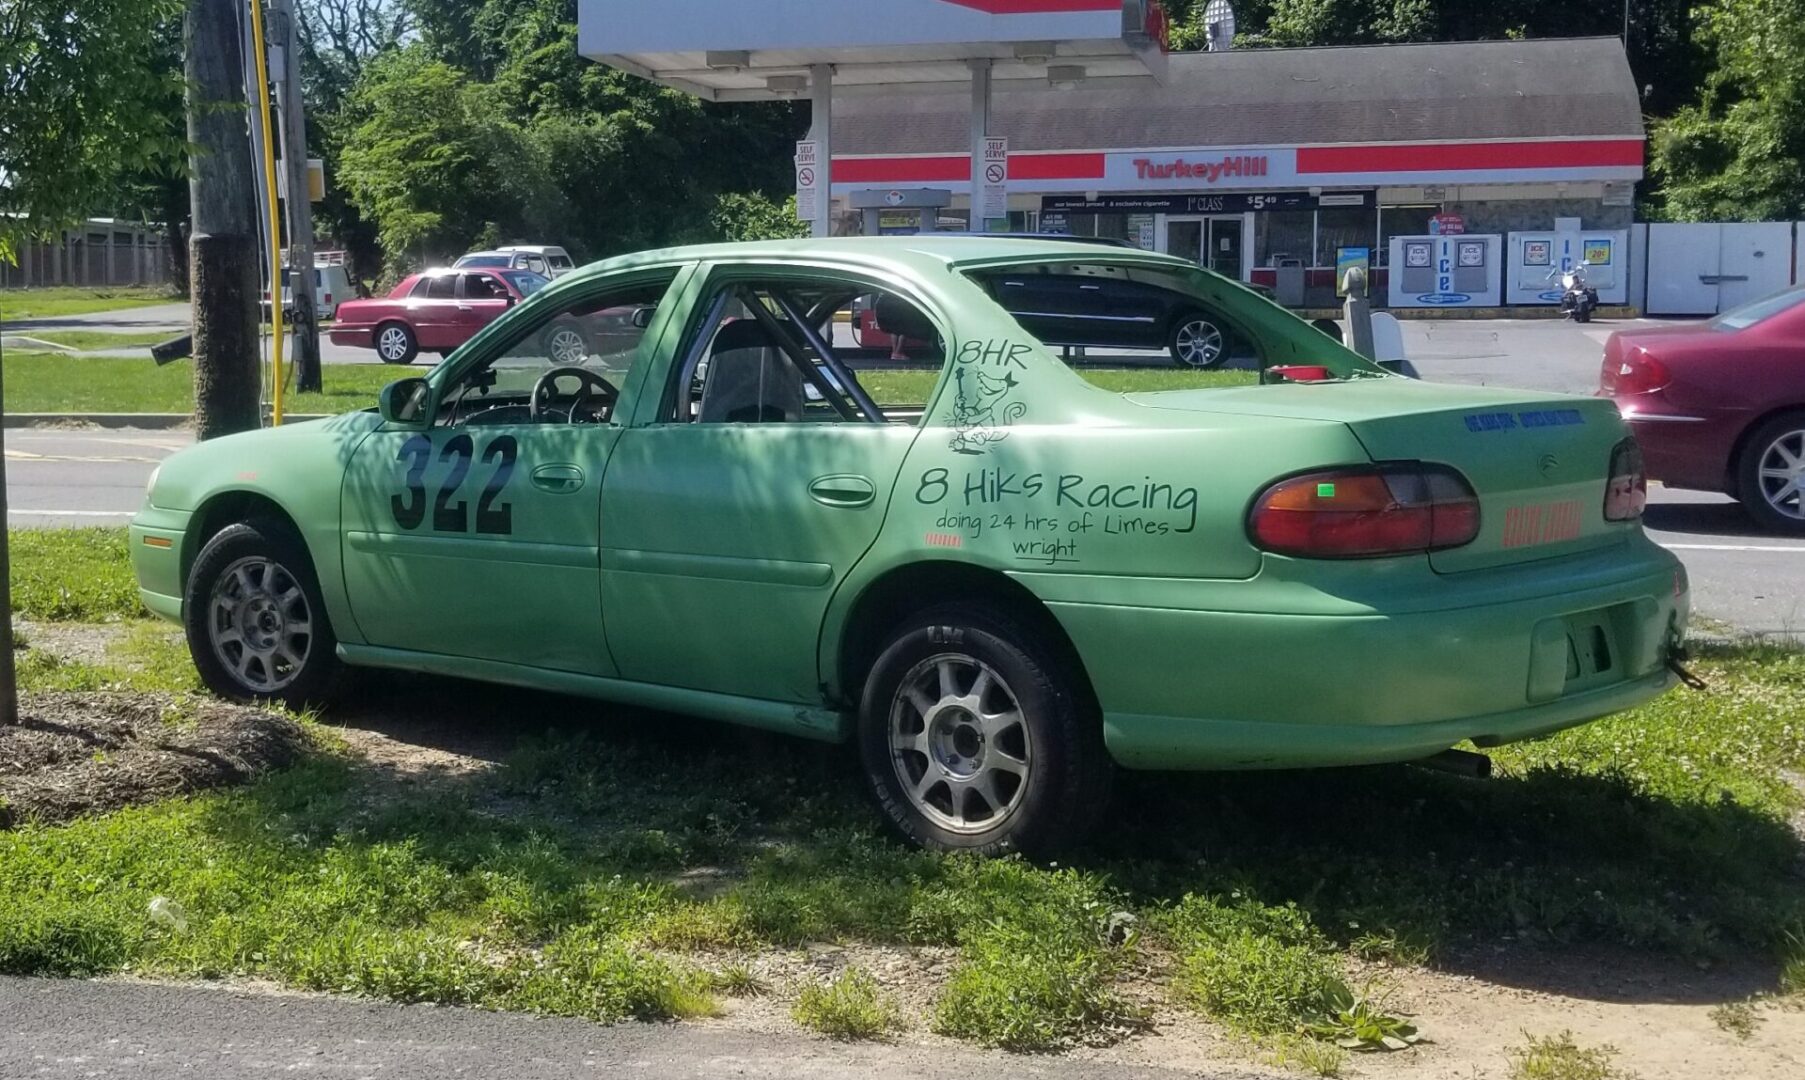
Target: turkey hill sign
1230	166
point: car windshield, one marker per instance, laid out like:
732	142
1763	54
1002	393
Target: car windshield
526	281
1758	311
483	260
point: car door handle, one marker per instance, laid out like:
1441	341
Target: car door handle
558	479
850	492
465	307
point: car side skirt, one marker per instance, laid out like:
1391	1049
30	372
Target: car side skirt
787	718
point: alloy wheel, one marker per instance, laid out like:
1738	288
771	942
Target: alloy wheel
392	344
1781	474
259	624
1199	343
959	743
567	347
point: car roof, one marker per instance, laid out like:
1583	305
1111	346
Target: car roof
922	251
531	249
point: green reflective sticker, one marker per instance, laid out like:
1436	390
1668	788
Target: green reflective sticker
1325	491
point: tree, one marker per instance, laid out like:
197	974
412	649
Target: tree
752	216
83	104
1739	152
77	113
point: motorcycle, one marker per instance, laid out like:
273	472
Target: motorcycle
1578	300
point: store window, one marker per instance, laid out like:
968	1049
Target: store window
1342	226
1283	234
1401	221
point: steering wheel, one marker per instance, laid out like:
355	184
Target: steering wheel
546	384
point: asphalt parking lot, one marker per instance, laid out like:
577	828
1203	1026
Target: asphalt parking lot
1749	580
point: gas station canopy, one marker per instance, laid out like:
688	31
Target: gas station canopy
734	50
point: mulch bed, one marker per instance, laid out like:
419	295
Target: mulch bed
88	753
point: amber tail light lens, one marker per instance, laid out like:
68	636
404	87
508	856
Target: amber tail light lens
1627	493
1366	512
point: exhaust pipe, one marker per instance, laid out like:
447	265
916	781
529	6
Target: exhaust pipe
1460	763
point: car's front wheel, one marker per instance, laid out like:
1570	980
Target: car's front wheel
1197	341
396	344
975	736
1771	473
255	622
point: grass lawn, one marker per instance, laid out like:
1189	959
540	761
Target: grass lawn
101	339
47	382
71	300
614	863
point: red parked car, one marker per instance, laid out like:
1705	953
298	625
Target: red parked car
434	311
1720	405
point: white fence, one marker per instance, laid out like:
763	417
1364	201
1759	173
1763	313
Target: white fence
1705	268
103	253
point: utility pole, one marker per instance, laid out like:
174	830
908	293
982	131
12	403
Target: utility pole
299	204
9	677
223	253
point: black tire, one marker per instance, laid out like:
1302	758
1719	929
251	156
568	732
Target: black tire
1197	341
565	344
1768	446
218	604
1582	314
395	343
1062	787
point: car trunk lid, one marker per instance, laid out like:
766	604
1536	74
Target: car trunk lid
1538	462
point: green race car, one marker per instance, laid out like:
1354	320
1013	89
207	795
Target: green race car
1002	594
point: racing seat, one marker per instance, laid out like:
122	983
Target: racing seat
750	379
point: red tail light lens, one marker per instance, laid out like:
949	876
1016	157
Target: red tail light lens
1627	493
1366	512
1630	370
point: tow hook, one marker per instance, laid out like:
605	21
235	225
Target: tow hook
1676	663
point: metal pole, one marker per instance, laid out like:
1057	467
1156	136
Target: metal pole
9	679
980	129
821	82
260	68
1626	23
300	199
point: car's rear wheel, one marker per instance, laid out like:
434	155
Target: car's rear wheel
974	736
396	344
255	622
1197	341
1771	473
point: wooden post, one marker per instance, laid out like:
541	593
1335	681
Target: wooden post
222	263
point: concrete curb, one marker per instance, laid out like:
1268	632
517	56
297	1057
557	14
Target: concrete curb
142	421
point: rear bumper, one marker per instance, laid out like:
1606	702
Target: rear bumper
1190	689
355	337
1682	448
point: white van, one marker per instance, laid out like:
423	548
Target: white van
332	286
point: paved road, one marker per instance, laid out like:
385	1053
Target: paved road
64	1029
172	319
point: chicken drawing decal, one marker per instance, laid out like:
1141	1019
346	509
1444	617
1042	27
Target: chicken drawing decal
983	409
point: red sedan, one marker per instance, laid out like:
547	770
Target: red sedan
434	310
1720	405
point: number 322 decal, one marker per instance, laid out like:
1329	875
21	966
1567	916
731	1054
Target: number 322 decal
448	516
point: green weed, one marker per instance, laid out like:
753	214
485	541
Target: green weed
70	575
851	1006
1302	1054
1260	969
1738	1018
738	980
1558	1057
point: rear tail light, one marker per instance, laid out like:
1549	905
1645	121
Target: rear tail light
1627	493
1632	371
1365	512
